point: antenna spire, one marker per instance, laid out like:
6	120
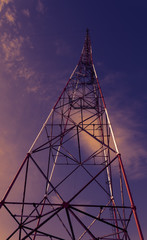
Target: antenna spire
86	56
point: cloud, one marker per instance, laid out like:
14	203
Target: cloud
99	64
128	132
26	12
10	16
40	7
130	143
12	55
3	3
32	89
25	72
124	111
15	46
16	64
11	47
30	77
112	78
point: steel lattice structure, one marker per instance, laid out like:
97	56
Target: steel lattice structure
72	183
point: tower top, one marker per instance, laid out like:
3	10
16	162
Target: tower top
86	55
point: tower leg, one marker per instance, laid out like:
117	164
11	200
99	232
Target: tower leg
131	199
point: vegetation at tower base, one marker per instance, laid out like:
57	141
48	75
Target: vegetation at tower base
72	184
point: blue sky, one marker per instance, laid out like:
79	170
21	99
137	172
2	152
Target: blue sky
40	44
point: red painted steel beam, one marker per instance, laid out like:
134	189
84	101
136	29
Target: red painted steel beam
131	199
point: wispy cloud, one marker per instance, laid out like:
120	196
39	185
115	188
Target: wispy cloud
129	139
11	47
10	15
3	3
26	12
25	72
99	64
113	77
40	7
127	128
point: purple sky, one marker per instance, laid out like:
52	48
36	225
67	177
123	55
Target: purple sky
40	44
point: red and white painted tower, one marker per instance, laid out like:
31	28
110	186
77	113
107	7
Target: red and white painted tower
72	183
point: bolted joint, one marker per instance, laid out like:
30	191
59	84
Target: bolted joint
1	204
65	204
133	207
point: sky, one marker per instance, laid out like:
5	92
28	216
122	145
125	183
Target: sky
40	45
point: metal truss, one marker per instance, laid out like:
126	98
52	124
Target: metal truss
72	183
